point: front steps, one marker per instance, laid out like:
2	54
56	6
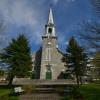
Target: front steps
46	89
40	96
42	93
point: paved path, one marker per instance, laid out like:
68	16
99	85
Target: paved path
41	96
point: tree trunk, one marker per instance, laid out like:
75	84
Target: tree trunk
81	82
77	78
10	79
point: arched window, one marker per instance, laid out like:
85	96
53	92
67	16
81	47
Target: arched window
50	30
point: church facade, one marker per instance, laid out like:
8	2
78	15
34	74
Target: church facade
47	61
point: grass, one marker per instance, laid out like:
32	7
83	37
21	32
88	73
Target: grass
5	94
90	91
4	91
85	92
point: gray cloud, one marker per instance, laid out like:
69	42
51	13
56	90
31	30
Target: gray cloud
22	13
25	13
56	1
18	12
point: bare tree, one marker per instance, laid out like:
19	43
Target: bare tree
2	28
91	33
2	33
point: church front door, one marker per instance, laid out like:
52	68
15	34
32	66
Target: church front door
48	72
48	75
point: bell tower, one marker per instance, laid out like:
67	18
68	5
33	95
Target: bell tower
51	58
50	27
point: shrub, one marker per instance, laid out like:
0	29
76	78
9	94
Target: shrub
66	98
28	88
4	97
76	94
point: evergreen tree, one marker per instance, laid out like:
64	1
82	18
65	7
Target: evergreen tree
1	72
17	56
75	59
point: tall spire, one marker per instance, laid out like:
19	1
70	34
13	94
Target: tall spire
50	20
50	27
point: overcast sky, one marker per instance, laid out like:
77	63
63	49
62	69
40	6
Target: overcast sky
30	16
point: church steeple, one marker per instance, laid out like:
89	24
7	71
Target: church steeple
50	19
50	27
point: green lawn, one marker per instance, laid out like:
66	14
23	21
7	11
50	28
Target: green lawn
4	94
90	91
85	92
